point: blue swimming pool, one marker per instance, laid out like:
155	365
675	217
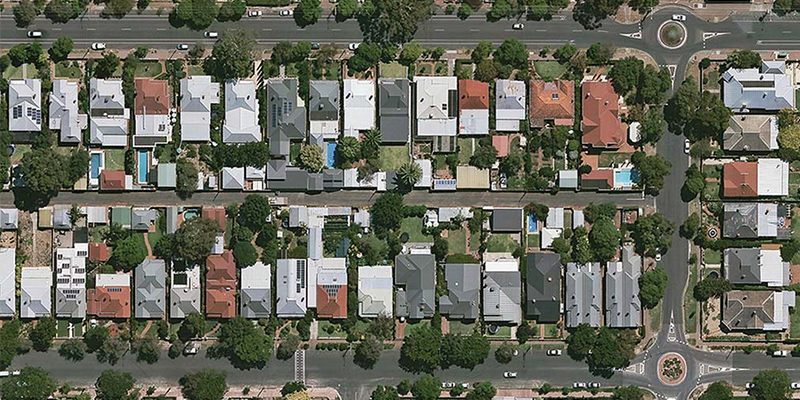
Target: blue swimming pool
626	177
532	224
97	159
331	154
143	170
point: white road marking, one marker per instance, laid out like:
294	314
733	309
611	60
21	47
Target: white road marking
56	29
267	29
787	32
335	30
577	30
439	30
125	29
474	30
91	29
541	30
161	29
602	31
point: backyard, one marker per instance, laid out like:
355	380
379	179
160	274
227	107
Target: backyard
413	227
501	243
549	70
392	157
711	257
393	70
114	159
65	69
608	159
457	241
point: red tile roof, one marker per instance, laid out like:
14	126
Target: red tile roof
98	252
473	95
599	175
552	101
112	180
500	143
152	97
109	302
221	285
332	303
217	214
740	179
601	126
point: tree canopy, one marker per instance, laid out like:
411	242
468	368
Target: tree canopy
311	158
254	212
205	384
653	234
590	13
24	13
196	14
482	391
719	390
114	385
385	215
409	174
771	384
652	171
195	238
43	333
32	383
233	55
367	352
512	52
393	21
420	350
426	387
246	346
696	115
652	286
600	53
604	238
127	254
307	12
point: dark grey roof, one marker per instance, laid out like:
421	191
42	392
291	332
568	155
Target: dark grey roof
141	220
256	293
740	220
742	265
623	307
276	170
150	278
751	310
463	291
507	220
333	178
543	287
172	219
393	98
323	101
416	273
71	305
751	133
584	294
285	119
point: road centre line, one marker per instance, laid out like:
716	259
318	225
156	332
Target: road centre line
125	29
439	30
474	30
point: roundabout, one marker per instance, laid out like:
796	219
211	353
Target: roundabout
672	35
671	369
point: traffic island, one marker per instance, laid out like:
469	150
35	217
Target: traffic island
671	369
672	35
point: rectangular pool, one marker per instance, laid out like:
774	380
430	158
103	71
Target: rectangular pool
532	224
143	167
97	161
626	177
331	154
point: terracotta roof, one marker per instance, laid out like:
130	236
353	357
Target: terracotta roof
333	303
740	179
597	176
217	214
220	285
552	101
600	124
152	97
112	180
109	301
98	252
500	142
473	95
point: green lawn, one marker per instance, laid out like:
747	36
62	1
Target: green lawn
62	327
148	69
393	70
210	325
503	333
155	236
193	70
711	79
607	158
461	328
114	159
464	150
440	68
501	243
711	191
794	328
533	241
457	241
65	69
413	226
549	70
392	157
475	241
551	331
655	317
19	151
325	326
13	72
416	325
690	303
712	256
294	152
794	177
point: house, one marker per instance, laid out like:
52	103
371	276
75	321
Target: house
198	93
766	89
113	180
751	133
185	293
109	116
473	105
447	214
509	105
331	288
395	122
279	176
111	296
323	109
151	112
426	167
96	215
61	219
623	307
584	294
286	115
463	291
436	108
552	103
143	218
9	219
375	291
256	293
507	220
166	176
756	266
217	214
241	113
171	219
254	178
598	179
63	115
8	281
150	277
25	105
601	126
71	281
221	285
756	220
35	287
757	310
543	287
469	177
233	178
415	279
359	106
502	291
99	252
292	288
765	177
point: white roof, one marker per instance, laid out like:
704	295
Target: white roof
359	105
433	100
577	218
241	113
375	291
198	93
64	111
256	276
509	104
233	178
773	177
548	235
773	268
8	282
71	281
555	218
109	121
474	122
767	219
425	178
219	244
152	125
25	105
113	280
35	284
96	215
502	265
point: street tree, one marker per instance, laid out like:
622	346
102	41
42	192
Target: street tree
385	212
482	391
421	350
652	170
625	73
719	390
61	48
590	13
117	8
743	59
600	53
193	326
482	51
652	286
59	11
408	175
367	352
612	349
411	53
711	287
311	158
194	239
393	21
653	85
565	53
346	9
771	384
652	126
486	71
307	13
205	384
604	238
287	347
231	10
32	383
94	337
385	393
73	350
24	13
512	52
292	387
245	345
500	9
696	115
426	387
147	349
43	333
464	351
628	393
690	227
464	11
505	353
233	55
106	66
112	350
653	234
114	385
694	184
196	14
580	342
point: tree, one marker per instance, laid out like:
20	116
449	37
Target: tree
9	342
371	144
61	48
482	391
600	53
595	211
186	179
233	55
719	390
106	66
612	349
783	7
24	13
73	350
653	85
500	9
652	286
311	158
346	9
117	8
590	13
771	384
245	345
392	21
112	350
789	137
287	347
245	254
385	215
95	336
694	184
464	11
581	247
486	71
652	170
197	14
348	150
307	13
604	238
426	387
743	59
43	333
565	52
652	126
711	288
114	385
232	10
254	212
194	239
464	351
696	115
409	174
505	353
420	350
192	327
482	51
625	73
653	234
512	52
127	254
642	6
385	393
147	349
690	226
32	383
43	171
205	384
628	393
59	11
580	342
367	352
483	157
292	387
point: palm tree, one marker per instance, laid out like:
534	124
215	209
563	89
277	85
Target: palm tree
409	174
371	142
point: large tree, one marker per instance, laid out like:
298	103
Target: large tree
385	393
612	349
625	74
653	85
653	234
652	171
513	53
307	12
367	352
604	238
95	337
600	53
197	14
711	287
652	286
233	55
73	350
186	180
743	59
719	390
194	239
464	351
254	212
652	126
147	349
393	21
32	383
427	387
311	158
114	385
192	327
61	48
24	13
205	384
580	342
43	333
409	174
59	11
482	391
590	13
421	350
771	384
386	215
127	254
245	345
696	115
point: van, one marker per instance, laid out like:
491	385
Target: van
34	34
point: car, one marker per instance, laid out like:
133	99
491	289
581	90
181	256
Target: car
353	46
448	385
254	13
98	46
191	348
9	373
658	257
34	34
211	35
687	146
503	180
554	352
594	385
509	375
749	385
579	385
518	26
781	353
286	13
678	17
796	385
464	385
315	46
183	46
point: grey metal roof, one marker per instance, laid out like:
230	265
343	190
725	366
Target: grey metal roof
172	219
762	89
241	113
292	285
198	93
184	295
233	178
36	284
543	286
150	277
623	307
756	266
757	310
507	220
393	99
333	178
167	175
9	218
740	220
71	304
416	273
502	293
286	120
25	105
142	220
584	294
463	291
323	101
61	218
276	170
751	133
64	111
256	293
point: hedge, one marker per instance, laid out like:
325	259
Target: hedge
269	3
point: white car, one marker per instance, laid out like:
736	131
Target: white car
254	13
464	385
781	353
678	17
448	385
749	385
579	385
554	352
687	146
9	373
796	385
98	46
191	348
34	34
509	374
211	35
183	46
518	26
353	46
594	385
286	13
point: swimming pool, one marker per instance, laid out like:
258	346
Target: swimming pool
625	177
532	224
97	161
331	154
143	170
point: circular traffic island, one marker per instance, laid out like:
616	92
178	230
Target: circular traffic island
672	34
671	369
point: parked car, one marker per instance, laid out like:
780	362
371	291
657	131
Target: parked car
98	46
508	374
796	385
579	385
448	385
9	373
503	180
191	348
254	13
286	13
315	46
554	352
183	46
353	46
34	34
678	17
464	385
211	35
749	385
518	26
781	353
594	385
687	146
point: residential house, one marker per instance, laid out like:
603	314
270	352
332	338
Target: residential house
375	291
217	214
279	176
601	126
25	105
185	293
757	310
509	105
623	307
331	288
198	93
756	220
359	106
473	105
436	108
150	277
111	296
292	288
143	218
121	215
63	115
233	178
568	179
543	287
415	279
552	103
765	177
151	112
598	179
35	287
99	252
256	293
241	113
8	281
9	219
109	117
286	115
114	180
166	176
221	285
507	220
71	281
96	215
751	133
766	89
584	294
502	291
463	291
61	219
756	266
323	110
395	122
